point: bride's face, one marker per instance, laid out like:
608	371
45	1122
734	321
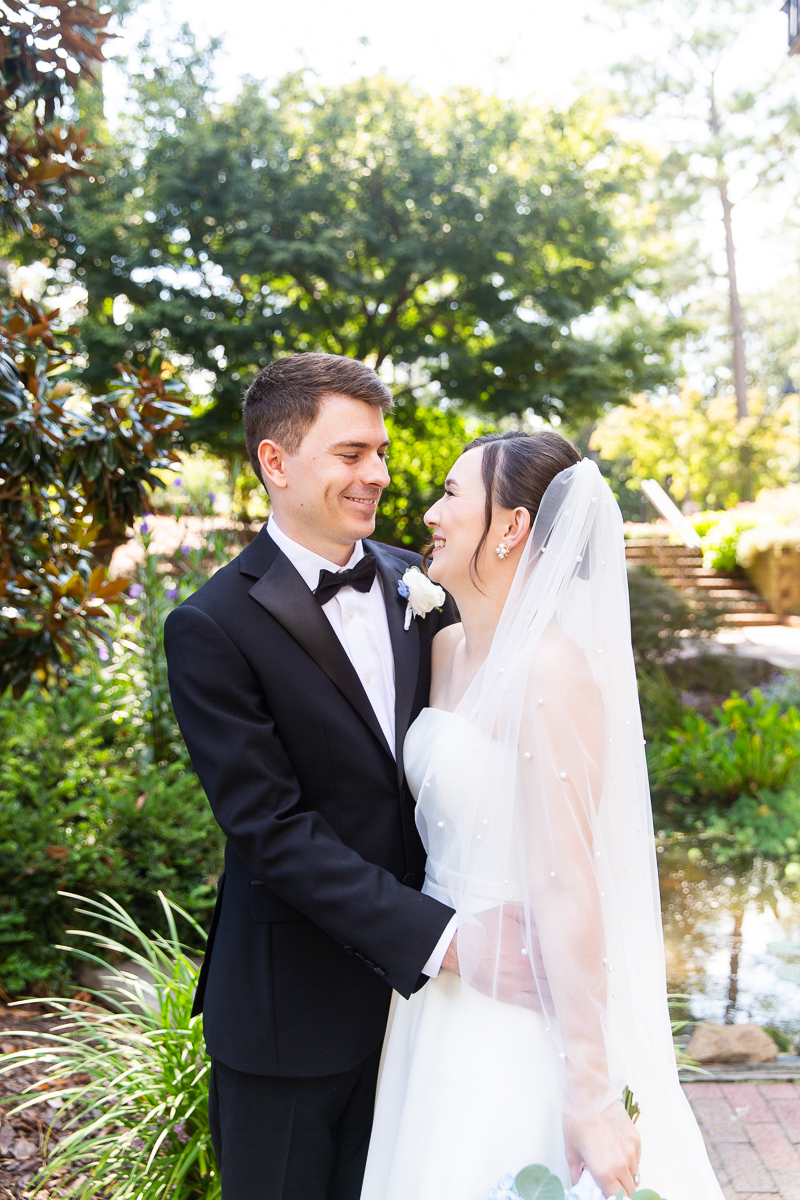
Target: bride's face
457	522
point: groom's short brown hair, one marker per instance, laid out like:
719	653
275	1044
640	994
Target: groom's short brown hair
283	400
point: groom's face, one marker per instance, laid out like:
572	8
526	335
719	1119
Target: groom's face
328	491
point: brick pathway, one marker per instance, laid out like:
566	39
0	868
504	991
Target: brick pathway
752	1131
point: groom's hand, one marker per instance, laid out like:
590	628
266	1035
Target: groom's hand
506	971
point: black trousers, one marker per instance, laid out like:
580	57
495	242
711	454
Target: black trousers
292	1139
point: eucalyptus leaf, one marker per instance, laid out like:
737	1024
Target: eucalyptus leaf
645	1194
537	1183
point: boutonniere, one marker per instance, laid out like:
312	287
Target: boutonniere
422	595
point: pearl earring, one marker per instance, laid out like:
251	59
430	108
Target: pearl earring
502	551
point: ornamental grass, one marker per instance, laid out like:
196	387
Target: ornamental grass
138	1129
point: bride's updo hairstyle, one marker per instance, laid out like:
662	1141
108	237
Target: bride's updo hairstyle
517	469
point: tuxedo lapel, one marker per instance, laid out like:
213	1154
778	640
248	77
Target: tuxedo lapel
282	592
405	644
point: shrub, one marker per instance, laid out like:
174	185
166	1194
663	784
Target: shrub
783	690
79	809
139	1127
722	536
661	616
751	748
767	826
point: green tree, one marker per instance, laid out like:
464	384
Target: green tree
718	141
698	449
465	240
73	468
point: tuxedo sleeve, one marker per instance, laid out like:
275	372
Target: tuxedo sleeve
257	800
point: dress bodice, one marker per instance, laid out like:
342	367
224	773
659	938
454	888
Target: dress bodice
450	767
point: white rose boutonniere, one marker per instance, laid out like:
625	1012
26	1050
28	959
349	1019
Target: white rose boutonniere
422	595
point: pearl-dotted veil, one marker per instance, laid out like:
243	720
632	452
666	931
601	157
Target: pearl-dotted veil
559	835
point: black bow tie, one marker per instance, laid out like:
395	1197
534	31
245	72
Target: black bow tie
359	577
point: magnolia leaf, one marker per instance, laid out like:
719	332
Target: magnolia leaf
113	588
537	1183
96	581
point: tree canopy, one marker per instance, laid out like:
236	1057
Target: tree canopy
482	250
696	447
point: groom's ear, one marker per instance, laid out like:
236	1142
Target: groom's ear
272	460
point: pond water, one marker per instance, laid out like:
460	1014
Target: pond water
726	938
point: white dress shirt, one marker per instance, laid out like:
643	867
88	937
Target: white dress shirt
359	621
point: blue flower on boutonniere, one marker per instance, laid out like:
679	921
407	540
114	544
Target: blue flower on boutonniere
422	595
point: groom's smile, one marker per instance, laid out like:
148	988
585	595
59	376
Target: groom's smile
326	494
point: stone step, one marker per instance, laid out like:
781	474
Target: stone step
732	594
682	567
719	581
751	618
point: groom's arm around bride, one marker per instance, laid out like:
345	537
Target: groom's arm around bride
294	707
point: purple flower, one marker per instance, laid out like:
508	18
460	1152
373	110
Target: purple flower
102	654
172	593
137	1144
186	550
178	482
144	527
180	1132
212	497
135	591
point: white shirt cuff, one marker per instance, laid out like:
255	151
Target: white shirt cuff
434	964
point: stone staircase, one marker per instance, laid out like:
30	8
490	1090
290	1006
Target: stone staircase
682	566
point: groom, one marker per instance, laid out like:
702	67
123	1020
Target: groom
294	682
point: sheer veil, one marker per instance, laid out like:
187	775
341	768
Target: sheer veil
558	836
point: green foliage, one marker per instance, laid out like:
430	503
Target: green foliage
697	449
767	826
538	1183
460	238
783	690
785	1044
629	1102
660	703
660	616
728	115
74	472
721	537
46	50
751	748
139	1127
81	808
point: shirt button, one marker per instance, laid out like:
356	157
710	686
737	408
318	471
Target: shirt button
367	678
350	613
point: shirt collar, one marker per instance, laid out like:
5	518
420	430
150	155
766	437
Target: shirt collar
306	562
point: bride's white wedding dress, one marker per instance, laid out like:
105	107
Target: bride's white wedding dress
532	800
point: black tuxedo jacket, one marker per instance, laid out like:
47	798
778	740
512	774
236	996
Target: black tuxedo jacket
319	913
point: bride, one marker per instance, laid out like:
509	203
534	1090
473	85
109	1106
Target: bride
532	801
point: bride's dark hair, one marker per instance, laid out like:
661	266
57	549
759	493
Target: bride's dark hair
517	469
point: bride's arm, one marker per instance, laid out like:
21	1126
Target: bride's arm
562	753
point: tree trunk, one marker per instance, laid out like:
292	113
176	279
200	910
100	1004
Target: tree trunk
733	978
737	328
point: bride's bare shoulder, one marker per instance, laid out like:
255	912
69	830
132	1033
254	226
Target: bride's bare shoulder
558	657
444	645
